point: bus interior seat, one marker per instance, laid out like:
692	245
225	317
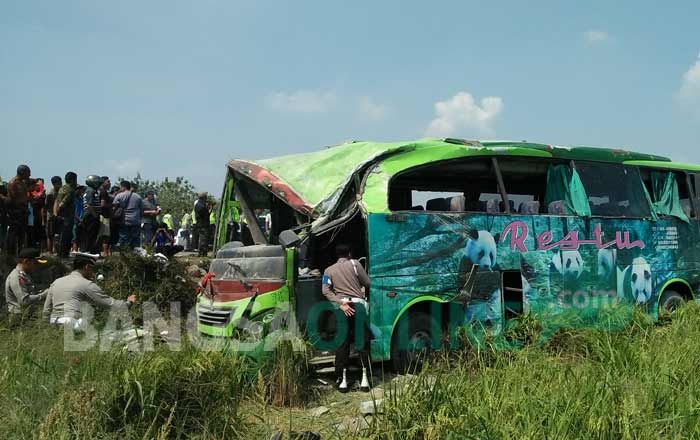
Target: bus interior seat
438	204
457	204
557	207
492	206
530	208
687	207
417	208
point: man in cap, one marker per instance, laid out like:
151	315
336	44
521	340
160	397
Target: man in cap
67	294
202	212
20	291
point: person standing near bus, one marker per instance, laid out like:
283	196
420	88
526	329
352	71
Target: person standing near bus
202	211
345	284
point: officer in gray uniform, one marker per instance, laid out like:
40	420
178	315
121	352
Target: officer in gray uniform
20	291
67	294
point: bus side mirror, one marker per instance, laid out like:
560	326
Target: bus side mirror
288	238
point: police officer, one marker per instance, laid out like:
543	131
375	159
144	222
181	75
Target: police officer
67	294
20	291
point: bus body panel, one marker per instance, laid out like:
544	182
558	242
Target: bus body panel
566	263
569	266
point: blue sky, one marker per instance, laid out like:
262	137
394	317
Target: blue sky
177	88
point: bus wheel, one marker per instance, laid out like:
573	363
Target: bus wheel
409	350
670	301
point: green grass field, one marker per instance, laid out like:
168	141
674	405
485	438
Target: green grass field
640	382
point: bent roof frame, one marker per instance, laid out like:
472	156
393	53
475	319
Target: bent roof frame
312	183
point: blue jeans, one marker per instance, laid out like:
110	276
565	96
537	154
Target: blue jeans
129	236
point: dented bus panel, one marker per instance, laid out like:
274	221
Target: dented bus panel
457	235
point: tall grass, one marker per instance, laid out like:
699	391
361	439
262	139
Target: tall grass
642	382
639	382
48	393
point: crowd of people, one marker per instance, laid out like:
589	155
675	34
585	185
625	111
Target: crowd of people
85	222
93	218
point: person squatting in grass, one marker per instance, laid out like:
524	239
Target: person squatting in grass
66	296
164	243
345	284
20	291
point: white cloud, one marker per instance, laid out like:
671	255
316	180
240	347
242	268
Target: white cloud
690	88
368	108
126	168
463	112
595	36
301	101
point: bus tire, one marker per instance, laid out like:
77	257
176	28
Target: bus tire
419	340
671	301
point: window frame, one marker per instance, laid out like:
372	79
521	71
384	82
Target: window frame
497	173
575	162
689	182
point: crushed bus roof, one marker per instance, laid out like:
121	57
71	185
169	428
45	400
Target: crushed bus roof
313	182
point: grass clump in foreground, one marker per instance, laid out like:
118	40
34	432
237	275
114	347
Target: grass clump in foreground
641	382
51	394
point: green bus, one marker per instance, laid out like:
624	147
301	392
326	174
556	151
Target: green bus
454	232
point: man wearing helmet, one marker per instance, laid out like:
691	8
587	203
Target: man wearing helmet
92	212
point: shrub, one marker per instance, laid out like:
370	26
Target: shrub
150	280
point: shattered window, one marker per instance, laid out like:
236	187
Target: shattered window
613	190
448	186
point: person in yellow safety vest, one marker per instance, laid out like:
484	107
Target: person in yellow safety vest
186	221
233	221
168	220
234	214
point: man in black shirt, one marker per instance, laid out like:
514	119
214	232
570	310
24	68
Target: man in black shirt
202	212
106	215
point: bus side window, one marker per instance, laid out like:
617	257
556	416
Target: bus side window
695	182
525	181
684	194
613	190
459	185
